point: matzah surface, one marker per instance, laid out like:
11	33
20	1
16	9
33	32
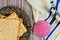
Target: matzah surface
8	29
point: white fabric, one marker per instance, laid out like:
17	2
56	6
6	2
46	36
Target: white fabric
41	10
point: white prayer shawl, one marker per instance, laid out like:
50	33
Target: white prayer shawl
41	11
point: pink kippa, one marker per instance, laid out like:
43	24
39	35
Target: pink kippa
41	28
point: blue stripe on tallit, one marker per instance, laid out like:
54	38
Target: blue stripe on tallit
53	30
52	8
57	3
54	17
48	17
52	20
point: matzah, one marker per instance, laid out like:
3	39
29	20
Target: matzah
22	29
9	29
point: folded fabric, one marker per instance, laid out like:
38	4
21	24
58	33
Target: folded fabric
40	8
41	11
